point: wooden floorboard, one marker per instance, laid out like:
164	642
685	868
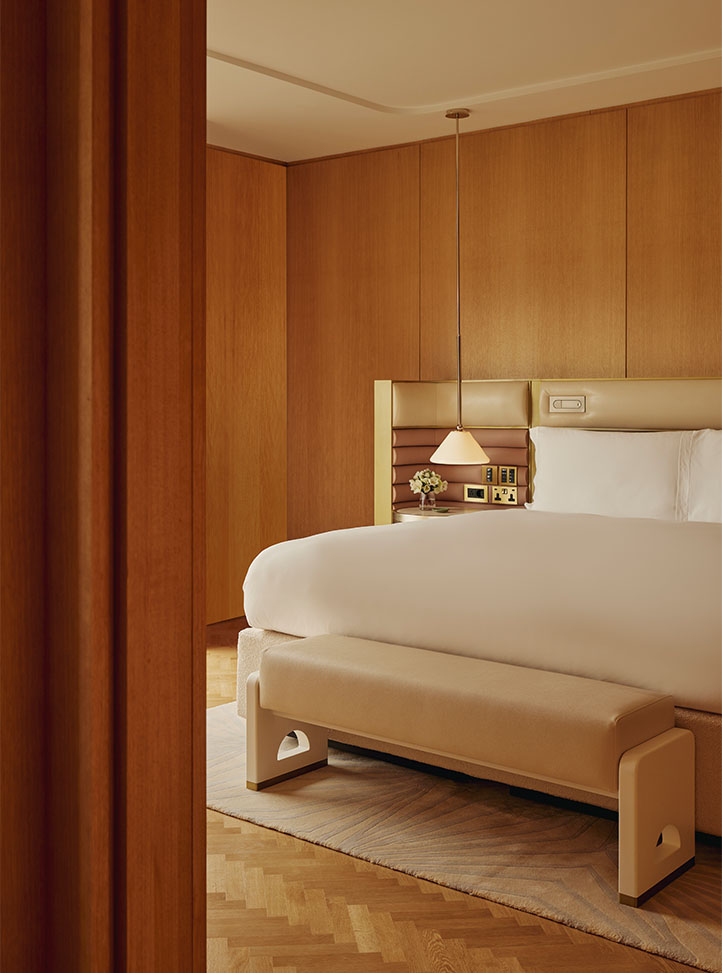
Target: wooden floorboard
277	904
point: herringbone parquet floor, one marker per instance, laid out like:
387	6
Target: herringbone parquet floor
277	904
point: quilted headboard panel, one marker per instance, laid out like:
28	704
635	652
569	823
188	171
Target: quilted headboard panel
412	449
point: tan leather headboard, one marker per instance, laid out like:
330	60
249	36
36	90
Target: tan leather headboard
433	404
685	403
430	408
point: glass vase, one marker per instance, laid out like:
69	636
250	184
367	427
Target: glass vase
427	501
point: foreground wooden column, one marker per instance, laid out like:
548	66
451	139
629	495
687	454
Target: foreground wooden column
102	844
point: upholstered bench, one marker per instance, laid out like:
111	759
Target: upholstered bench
596	736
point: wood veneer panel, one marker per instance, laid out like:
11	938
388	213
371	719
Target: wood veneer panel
543	251
159	465
674	271
353	302
24	904
79	624
246	362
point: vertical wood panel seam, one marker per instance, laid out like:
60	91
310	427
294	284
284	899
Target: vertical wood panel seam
198	205
193	505
120	884
418	238
45	694
626	242
288	355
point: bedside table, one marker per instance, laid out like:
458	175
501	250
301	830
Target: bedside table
407	514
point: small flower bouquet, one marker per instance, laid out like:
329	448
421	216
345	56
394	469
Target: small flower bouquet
427	484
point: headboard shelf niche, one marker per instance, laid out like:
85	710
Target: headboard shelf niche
411	420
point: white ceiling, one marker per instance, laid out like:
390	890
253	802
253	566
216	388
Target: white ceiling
297	79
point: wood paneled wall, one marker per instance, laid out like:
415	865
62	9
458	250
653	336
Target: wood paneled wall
543	238
353	316
550	287
675	270
246	351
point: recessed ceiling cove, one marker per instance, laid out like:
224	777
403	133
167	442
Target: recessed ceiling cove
295	79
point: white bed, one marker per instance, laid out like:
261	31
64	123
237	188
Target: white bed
624	600
603	593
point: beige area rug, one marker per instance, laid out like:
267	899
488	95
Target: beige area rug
473	836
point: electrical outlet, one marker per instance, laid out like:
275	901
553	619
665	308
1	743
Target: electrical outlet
503	494
507	476
476	493
489	474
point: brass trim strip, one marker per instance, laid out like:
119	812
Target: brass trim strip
383	469
426	425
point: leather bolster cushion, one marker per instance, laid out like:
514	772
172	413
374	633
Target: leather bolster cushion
545	724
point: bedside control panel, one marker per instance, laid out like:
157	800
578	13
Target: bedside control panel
507	475
499	486
476	493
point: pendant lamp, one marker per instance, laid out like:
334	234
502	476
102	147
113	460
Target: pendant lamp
459	448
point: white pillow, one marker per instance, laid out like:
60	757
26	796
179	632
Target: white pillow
704	499
616	474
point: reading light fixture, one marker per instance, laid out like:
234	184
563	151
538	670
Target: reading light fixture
459	448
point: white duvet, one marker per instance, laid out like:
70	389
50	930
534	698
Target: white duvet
629	601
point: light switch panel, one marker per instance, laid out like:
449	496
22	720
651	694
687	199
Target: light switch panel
567	403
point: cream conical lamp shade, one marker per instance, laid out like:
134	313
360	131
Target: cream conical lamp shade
460	449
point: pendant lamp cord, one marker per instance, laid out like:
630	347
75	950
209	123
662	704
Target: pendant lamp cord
458	290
